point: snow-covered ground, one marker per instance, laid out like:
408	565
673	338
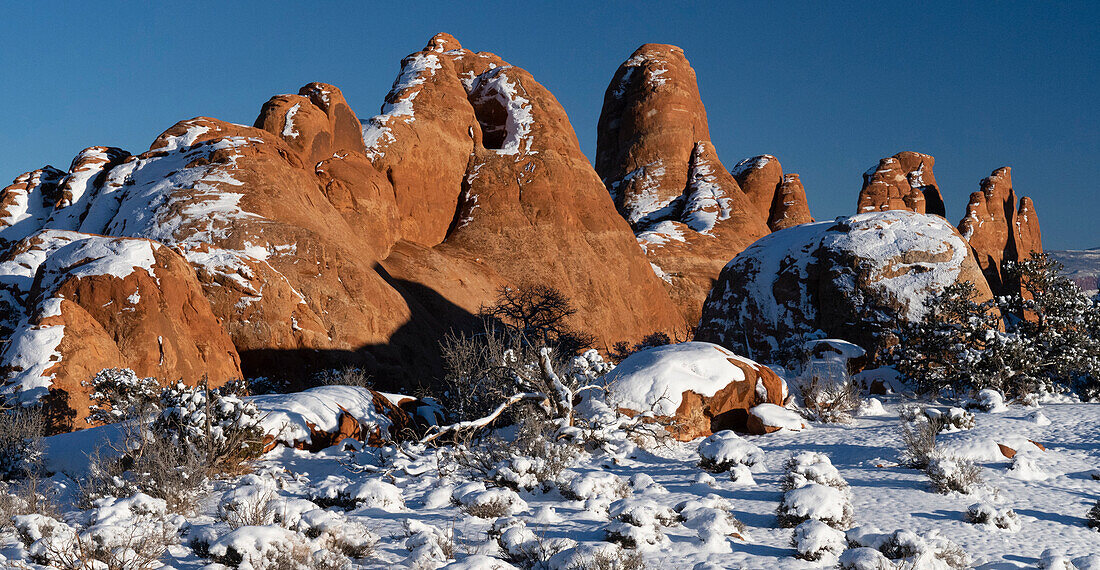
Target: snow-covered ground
415	501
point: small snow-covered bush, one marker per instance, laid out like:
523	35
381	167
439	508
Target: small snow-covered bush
641	511
722	451
810	467
118	394
827	504
339	491
593	485
521	546
984	513
271	548
248	505
631	536
904	548
1092	519
428	546
830	401
710	516
1051	560
918	434
590	556
637	522
118	534
953	474
21	431
217	425
815	540
988	400
864	558
490	503
954	419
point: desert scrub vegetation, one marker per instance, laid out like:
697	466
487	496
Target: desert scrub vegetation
1092	519
173	438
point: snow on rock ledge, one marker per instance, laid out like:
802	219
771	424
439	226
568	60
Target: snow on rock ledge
850	279
702	387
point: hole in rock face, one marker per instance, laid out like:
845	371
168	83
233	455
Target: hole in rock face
492	115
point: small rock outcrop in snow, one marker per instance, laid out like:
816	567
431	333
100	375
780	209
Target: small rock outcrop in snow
703	387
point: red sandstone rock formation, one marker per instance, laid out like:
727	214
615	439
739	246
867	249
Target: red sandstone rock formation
853	279
655	157
317	243
904	181
96	302
998	230
780	198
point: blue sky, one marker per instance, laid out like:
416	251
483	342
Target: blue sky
829	88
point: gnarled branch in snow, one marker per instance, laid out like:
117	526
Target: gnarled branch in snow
482	422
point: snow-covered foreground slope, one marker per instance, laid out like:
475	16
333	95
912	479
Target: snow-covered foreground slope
406	502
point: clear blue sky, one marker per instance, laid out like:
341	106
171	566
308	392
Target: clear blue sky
827	88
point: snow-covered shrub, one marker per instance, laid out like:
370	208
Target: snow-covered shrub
1051	560
21	431
248	505
118	394
827	504
954	419
742	476
723	450
596	556
809	467
339	491
864	558
637	522
525	548
1092	519
906	549
829	400
711	518
988	400
533	458
142	462
918	433
641	511
217	425
954	474
815	490
593	485
428	546
815	540
270	548
632	536
491	503
984	513
118	534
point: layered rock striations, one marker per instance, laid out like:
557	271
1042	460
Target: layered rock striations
312	240
655	157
